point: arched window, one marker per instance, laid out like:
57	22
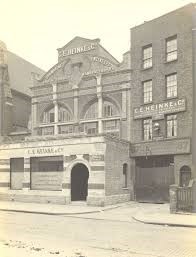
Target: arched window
48	116
109	109
63	115
92	112
125	175
185	175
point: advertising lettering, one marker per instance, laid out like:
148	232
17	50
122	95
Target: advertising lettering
77	50
171	106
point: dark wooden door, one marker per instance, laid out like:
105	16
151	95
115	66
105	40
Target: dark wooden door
152	184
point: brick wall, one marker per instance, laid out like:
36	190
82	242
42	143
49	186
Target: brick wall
155	32
117	154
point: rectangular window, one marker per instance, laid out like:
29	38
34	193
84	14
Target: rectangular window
91	128
147	129
147	56
46	131
110	125
147	91
17	173
66	129
171	84
46	173
108	111
171	49
172	125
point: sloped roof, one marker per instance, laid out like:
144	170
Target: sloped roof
20	73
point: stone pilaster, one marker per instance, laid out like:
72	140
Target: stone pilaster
27	176
33	115
76	96
56	111
100	104
173	198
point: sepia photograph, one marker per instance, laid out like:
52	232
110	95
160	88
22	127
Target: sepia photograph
97	128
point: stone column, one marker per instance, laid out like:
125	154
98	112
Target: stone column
173	198
33	116
27	176
76	95
100	104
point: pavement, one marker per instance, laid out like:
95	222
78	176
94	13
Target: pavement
148	213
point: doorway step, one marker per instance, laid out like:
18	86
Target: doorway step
79	203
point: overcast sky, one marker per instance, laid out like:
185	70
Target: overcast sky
34	29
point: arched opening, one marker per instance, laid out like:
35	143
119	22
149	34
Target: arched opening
79	182
185	175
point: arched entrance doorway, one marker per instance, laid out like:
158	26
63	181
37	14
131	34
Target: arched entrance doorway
79	182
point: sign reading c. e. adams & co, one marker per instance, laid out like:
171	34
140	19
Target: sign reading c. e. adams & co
151	110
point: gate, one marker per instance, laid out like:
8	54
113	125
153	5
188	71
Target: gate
184	199
152	184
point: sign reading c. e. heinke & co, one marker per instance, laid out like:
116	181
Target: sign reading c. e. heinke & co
167	107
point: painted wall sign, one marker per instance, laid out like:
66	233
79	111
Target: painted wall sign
77	50
101	60
46	180
171	106
98	71
45	151
164	147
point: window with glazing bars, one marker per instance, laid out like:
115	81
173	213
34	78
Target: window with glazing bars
147	91
171	49
171	84
147	129
147	56
172	125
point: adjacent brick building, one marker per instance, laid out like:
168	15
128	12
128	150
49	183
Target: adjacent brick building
163	102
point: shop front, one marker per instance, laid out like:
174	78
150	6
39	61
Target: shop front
63	170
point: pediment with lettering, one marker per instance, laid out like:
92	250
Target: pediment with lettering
81	57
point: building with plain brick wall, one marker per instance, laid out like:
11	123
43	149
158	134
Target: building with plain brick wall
163	103
106	132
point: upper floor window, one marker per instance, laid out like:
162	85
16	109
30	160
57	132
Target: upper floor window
92	112
172	125
110	125
147	129
66	129
171	49
147	56
63	114
147	91
48	116
46	131
171	84
109	109
91	128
